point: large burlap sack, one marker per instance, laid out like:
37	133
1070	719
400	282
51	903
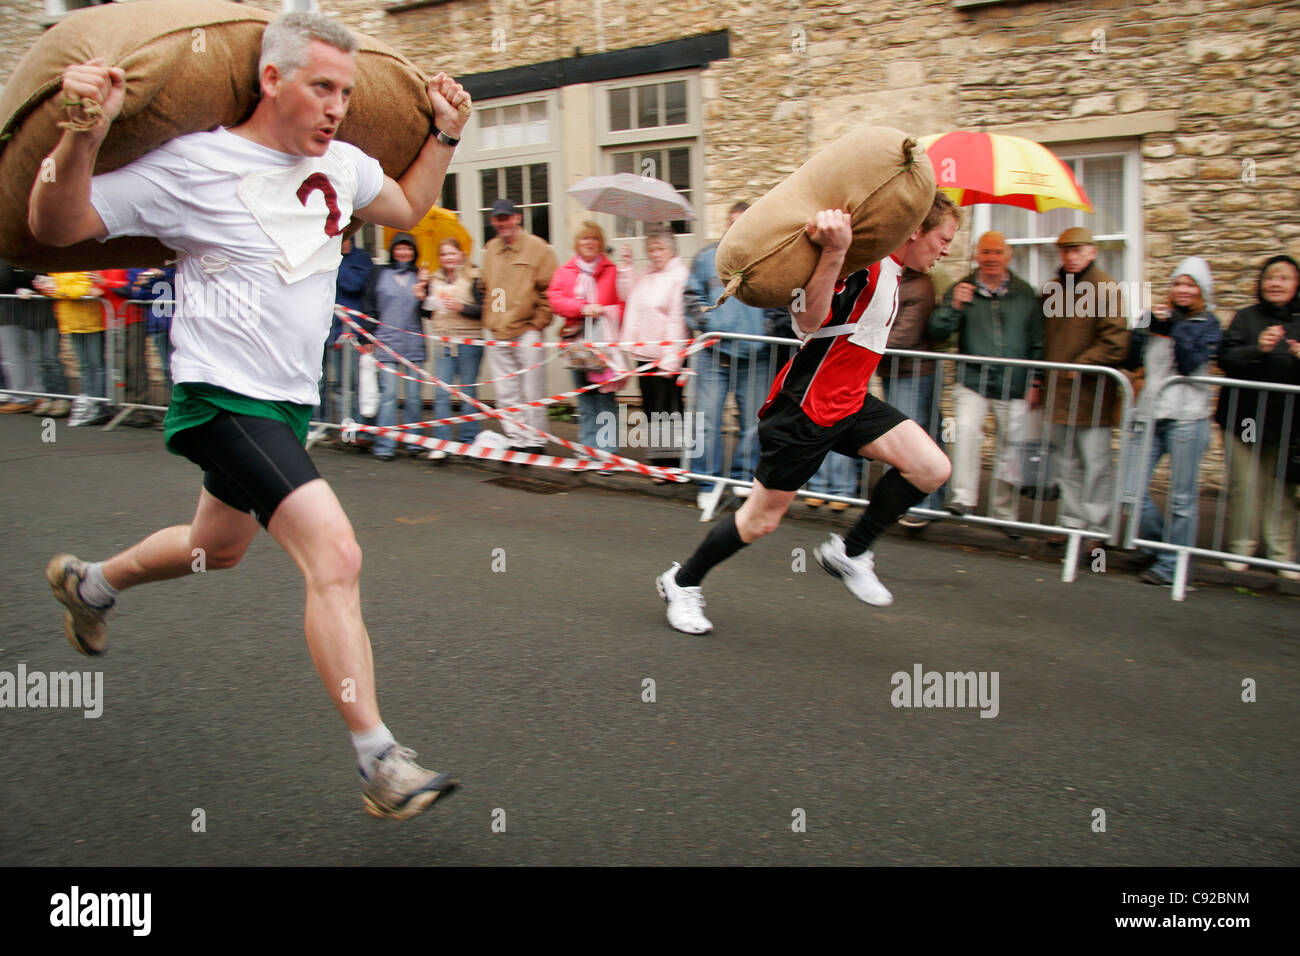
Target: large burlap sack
190	65
876	174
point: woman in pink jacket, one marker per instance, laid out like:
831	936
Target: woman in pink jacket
584	291
655	312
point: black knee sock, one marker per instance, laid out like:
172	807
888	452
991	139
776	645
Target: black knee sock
722	541
890	499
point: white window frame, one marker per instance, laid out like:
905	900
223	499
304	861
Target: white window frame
1130	151
471	157
689	134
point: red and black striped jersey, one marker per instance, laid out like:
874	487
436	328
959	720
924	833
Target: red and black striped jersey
828	376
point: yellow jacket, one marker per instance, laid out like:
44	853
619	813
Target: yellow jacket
75	317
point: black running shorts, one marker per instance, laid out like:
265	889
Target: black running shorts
249	462
792	446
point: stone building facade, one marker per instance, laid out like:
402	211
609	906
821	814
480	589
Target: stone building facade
1180	116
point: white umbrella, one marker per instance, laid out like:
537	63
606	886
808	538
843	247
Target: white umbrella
635	197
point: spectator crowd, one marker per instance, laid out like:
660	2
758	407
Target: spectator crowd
56	358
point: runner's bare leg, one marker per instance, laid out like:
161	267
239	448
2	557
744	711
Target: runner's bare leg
221	532
310	524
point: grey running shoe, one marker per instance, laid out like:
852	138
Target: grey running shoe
858	573
685	605
400	788
85	626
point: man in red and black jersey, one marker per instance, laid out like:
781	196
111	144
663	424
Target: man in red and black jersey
820	403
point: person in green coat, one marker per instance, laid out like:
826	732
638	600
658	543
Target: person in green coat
997	314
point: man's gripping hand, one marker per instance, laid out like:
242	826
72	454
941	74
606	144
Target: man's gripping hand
832	229
451	105
95	93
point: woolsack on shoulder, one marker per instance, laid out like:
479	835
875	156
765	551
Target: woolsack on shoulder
190	65
876	174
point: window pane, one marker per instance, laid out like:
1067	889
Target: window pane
1008	220
450	198
489	134
538	127
1110	256
679	168
537	186
512	132
488	188
647	106
1054	222
1049	262
675	103
620	109
515	183
649	163
1020	256
1103	179
624	162
540	222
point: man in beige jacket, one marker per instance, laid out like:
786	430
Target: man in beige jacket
517	269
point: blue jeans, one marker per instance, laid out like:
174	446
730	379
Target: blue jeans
597	416
838	475
460	369
914	397
745	373
53	378
412	409
89	347
1185	443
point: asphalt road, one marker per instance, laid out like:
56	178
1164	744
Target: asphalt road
528	682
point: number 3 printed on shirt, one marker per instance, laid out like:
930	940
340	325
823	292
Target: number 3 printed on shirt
320	181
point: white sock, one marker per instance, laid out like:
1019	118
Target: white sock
95	589
369	744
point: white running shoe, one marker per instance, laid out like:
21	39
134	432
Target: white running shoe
858	574
685	605
437	455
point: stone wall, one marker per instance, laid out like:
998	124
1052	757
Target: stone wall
1220	181
21	24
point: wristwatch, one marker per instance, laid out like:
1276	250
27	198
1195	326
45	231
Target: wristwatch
442	137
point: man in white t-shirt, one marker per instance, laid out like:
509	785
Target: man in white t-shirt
256	212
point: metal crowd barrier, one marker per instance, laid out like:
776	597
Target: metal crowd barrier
1275	498
31	344
141	378
1050	372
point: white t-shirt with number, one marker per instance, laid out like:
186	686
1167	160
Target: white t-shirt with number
259	235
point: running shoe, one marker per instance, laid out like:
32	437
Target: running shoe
858	574
86	626
685	605
400	788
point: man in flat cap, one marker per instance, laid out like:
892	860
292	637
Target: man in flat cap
517	268
1083	313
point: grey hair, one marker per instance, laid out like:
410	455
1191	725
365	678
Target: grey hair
661	234
287	38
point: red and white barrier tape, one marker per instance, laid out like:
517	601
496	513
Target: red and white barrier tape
511	343
607	460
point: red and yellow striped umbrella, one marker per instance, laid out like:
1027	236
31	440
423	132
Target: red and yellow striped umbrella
1006	170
